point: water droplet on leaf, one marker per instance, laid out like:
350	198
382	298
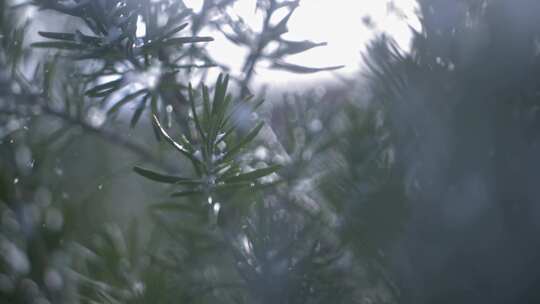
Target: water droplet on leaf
96	117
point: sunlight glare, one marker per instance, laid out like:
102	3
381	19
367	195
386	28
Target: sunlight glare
337	22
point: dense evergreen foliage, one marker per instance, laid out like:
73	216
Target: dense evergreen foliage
463	103
137	168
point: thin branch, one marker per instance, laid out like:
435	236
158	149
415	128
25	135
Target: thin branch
106	135
255	55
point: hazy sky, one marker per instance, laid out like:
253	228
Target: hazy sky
337	22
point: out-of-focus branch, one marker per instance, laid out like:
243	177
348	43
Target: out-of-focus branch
254	57
106	135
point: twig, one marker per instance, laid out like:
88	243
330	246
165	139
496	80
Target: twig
107	135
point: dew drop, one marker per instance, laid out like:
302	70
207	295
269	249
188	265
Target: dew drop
96	117
15	87
315	126
53	280
216	207
198	154
138	288
246	244
58	171
139	42
141	27
220	136
222	146
261	153
307	155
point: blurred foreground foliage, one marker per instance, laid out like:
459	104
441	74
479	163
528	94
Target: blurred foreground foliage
463	109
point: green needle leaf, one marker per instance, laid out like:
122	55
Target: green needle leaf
196	162
159	177
253	175
245	141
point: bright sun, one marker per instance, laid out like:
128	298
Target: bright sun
337	22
